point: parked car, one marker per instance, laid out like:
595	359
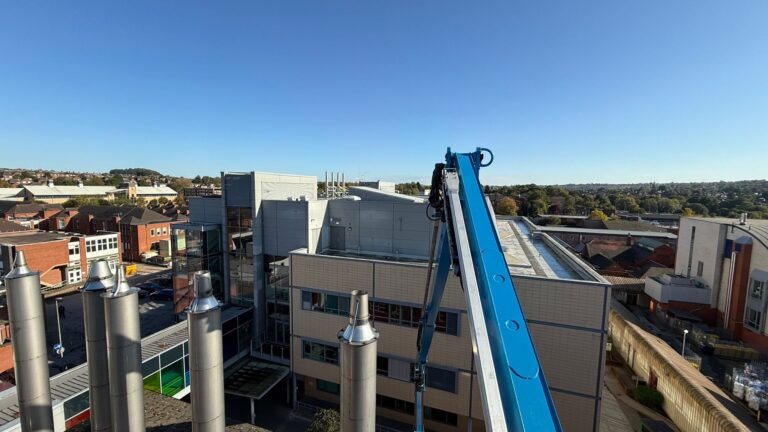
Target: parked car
162	295
150	287
143	293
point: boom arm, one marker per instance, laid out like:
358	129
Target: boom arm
513	389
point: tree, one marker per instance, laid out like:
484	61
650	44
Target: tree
64	181
687	212
697	208
197	180
163	200
179	183
94	181
114	180
551	220
598	214
325	420
507	206
5	184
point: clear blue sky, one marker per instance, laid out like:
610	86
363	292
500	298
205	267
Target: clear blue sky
567	91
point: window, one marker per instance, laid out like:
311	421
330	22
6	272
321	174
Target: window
327	386
60	223
74	249
756	290
409	316
152	232
320	352
440	416
165	231
382	366
754	319
393	404
328	303
441	379
700	269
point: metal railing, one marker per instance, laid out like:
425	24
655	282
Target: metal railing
271	351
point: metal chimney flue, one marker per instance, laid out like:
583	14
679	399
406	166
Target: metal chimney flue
206	361
30	359
100	280
126	385
358	368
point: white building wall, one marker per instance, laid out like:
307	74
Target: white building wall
708	243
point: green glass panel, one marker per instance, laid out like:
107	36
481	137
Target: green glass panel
173	378
152	382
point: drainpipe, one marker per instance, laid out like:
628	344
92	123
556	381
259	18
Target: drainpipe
30	359
100	280
126	384
206	362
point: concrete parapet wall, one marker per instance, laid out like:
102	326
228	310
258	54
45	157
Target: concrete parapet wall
693	402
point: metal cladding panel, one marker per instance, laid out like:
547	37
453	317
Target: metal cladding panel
285	226
347	214
205	210
238	190
376	226
280	191
412	231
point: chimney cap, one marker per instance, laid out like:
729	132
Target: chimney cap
20	268
100	277
204	300
121	287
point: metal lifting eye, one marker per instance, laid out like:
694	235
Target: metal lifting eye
490	153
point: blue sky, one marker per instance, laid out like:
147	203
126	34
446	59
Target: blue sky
561	91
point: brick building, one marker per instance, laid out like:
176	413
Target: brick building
27	214
143	231
61	259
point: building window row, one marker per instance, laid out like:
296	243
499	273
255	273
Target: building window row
436	377
320	352
389	313
756	289
74	249
101	244
433	414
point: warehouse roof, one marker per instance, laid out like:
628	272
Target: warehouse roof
65	191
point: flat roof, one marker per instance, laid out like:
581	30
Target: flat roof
608	232
45	190
754	227
531	254
30	237
372	194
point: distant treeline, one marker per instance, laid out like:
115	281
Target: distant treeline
728	199
139	172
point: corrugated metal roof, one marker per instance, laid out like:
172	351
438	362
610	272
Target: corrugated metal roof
44	190
608	232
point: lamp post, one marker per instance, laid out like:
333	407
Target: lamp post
682	352
60	348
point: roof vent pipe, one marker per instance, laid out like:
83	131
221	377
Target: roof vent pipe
100	280
30	359
358	368
126	385
743	219
206	361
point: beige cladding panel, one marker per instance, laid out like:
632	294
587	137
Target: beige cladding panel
576	413
331	274
325	371
562	351
562	302
406	282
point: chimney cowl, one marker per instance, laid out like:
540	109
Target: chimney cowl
204	300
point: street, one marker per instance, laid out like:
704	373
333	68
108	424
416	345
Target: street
155	316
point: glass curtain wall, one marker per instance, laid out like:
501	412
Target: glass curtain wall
194	248
240	254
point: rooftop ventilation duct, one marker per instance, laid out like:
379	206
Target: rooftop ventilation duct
100	280
206	361
30	359
358	368
126	384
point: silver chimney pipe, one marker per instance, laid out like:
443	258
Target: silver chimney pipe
343	184
326	184
30	359
126	386
100	280
206	361
358	368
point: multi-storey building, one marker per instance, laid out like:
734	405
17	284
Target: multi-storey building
144	232
296	258
28	215
721	275
61	259
51	193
